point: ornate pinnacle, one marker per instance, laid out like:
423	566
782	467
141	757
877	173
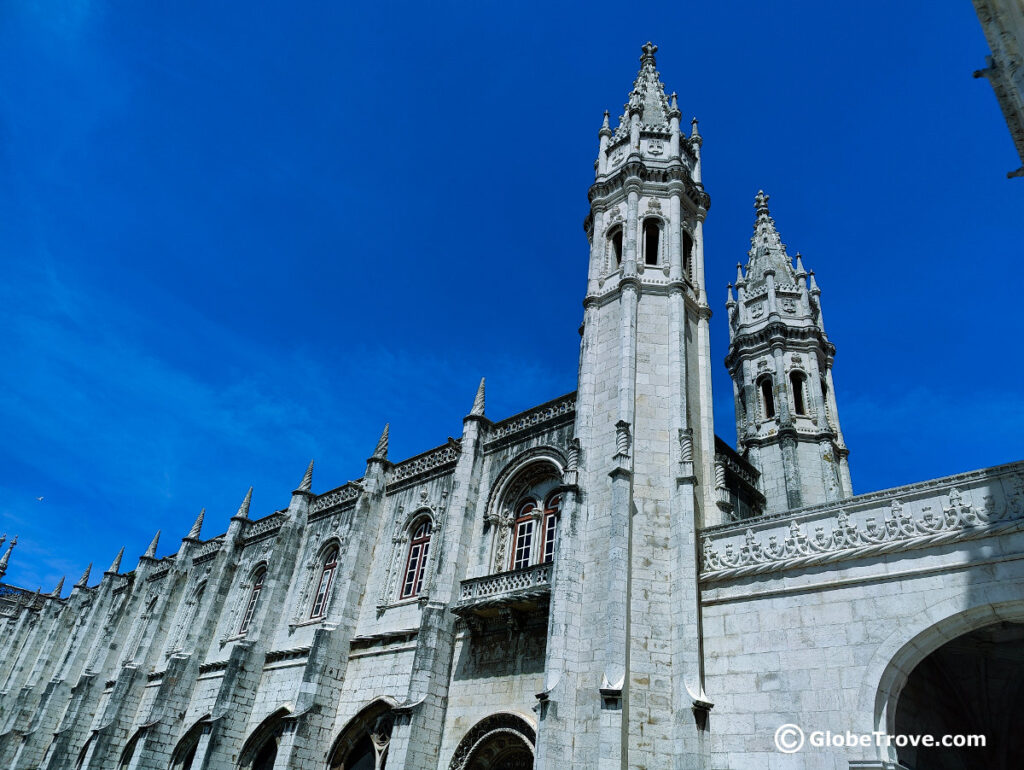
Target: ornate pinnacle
307	480
116	564
6	558
648	56
151	551
814	284
381	452
193	534
730	302
800	272
83	582
60	587
761	204
243	509
739	275
478	402
605	128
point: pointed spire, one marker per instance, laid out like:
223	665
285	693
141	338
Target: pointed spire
381	452
605	128
6	558
647	97
83	582
730	300
478	402
307	480
243	509
197	527
800	272
151	551
60	587
115	565
814	284
694	133
767	251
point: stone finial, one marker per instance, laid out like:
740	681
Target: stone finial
730	301
739	275
381	452
243	509
83	582
197	527
605	127
761	204
115	566
814	284
60	587
151	551
800	272
478	401
307	480
648	53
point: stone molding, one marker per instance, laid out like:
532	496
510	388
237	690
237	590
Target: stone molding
903	519
335	498
520	426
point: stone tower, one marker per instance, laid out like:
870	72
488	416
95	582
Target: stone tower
631	685
781	359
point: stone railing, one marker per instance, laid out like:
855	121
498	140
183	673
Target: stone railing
428	461
264	526
207	549
963	507
346	493
519	587
559	407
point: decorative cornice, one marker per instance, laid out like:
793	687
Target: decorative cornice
545	416
336	498
437	460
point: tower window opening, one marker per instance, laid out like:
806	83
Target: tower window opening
687	253
652	239
419	547
767	398
323	590
743	403
254	597
615	241
796	381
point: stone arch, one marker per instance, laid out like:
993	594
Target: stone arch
917	637
128	752
185	749
261	745
372	723
520	467
498	742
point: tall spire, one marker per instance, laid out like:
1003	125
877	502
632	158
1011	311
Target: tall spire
83	582
767	251
381	452
647	97
307	480
243	509
478	402
151	551
60	587
6	558
197	527
115	566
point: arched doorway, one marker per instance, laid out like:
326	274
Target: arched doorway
498	742
364	743
973	684
260	750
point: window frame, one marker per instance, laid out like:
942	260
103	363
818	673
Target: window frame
329	566
767	396
654	223
419	544
259	575
523	524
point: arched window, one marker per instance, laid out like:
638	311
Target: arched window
796	381
364	743
415	563
615	244
767	397
254	598
550	527
652	241
687	252
323	589
522	535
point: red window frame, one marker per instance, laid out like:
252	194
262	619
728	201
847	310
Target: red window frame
416	560
324	586
523	533
254	596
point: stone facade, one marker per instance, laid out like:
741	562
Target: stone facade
598	582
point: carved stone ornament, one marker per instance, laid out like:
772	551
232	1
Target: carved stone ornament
789	305
756	311
656	147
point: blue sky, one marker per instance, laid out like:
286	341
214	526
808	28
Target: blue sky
233	241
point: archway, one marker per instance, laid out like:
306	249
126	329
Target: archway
260	750
971	685
498	742
364	743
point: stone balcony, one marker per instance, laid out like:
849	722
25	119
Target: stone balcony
522	590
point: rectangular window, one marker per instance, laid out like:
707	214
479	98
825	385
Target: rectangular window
524	542
413	576
550	528
321	593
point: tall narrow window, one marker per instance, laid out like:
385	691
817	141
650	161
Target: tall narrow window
652	238
324	587
615	241
767	398
796	380
551	509
415	564
254	598
687	253
523	530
